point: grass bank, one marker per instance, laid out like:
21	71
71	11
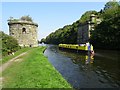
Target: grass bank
34	71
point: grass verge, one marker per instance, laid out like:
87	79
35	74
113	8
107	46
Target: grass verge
35	71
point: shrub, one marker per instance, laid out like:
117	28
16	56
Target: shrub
9	44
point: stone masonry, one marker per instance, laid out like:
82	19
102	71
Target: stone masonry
24	31
85	29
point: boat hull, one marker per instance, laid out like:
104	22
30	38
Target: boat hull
75	48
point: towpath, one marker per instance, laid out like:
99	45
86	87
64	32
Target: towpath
5	65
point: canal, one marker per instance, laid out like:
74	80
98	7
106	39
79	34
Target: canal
84	71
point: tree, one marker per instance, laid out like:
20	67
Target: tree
111	4
86	16
42	40
9	44
107	33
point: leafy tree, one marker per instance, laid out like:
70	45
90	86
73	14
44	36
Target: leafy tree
9	44
42	40
107	33
111	4
86	16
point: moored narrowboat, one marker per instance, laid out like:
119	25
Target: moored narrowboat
77	48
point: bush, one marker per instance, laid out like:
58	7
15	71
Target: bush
26	18
9	44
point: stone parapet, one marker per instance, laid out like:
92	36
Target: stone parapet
21	22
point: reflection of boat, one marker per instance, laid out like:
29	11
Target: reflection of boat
85	59
89	59
77	48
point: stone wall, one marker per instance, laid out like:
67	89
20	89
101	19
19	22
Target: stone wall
25	32
83	34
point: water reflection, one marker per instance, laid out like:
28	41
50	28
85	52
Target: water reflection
86	59
85	70
79	57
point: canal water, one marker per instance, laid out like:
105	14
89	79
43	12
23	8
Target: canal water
84	71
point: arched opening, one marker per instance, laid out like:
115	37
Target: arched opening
23	30
12	33
30	45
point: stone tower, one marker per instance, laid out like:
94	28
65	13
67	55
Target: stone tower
24	30
85	29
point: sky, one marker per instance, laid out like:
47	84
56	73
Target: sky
50	16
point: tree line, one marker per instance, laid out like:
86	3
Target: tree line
106	34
